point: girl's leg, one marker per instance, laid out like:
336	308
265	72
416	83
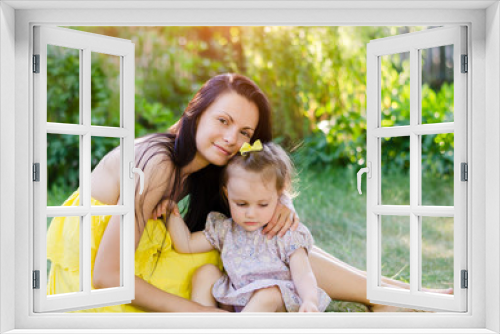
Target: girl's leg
266	300
203	280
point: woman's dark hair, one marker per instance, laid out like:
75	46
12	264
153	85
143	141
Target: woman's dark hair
178	145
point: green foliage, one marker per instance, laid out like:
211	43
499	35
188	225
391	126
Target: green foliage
315	78
63	106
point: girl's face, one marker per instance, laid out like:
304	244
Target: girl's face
228	123
252	200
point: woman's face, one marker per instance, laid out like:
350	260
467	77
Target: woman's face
228	123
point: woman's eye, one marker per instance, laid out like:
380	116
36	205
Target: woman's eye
223	121
241	204
246	134
263	205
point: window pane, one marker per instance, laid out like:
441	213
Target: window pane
105	159
437	169
395	89
395	171
437	84
63	85
395	235
63	255
105	90
437	252
63	167
98	226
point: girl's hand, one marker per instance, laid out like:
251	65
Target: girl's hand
284	219
210	309
163	206
308	306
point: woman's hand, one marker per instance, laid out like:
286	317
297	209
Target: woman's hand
283	220
308	306
163	206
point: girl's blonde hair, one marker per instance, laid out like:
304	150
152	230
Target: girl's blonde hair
271	160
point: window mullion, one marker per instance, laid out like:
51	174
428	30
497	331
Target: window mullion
85	239
414	172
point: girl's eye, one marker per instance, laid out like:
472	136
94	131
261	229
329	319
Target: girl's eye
223	121
263	205
241	204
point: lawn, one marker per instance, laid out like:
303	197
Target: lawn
330	206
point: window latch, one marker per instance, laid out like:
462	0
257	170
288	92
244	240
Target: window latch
133	170
367	170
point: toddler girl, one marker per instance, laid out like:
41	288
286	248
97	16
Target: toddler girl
261	274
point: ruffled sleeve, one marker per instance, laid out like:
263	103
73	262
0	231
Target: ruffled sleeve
293	240
216	229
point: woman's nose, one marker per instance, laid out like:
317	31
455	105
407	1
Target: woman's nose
231	136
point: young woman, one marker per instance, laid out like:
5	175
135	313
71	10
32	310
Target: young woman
228	111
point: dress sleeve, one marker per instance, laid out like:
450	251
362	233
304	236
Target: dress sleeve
293	240
216	229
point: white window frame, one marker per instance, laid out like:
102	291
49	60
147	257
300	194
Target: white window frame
413	43
84	43
483	20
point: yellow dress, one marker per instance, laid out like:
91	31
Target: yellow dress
156	261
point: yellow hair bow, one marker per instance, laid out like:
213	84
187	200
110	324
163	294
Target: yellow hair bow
246	148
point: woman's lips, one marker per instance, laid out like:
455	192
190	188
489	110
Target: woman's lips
222	150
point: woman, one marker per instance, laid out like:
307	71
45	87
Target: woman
226	112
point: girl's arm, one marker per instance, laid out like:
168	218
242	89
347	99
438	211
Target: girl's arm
304	280
184	241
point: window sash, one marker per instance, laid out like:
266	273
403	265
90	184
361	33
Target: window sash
85	43
412	43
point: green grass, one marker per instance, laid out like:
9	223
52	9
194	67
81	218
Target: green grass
330	206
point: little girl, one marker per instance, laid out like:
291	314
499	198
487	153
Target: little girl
261	275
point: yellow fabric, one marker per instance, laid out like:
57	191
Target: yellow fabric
246	147
155	260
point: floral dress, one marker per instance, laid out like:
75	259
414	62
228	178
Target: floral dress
253	262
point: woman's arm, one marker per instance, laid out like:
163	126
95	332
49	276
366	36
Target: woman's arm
106	272
285	218
184	241
147	296
304	280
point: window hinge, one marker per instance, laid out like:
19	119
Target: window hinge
36	63
465	64
36	279
36	172
465	171
465	279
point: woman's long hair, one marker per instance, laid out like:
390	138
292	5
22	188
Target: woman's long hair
178	145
